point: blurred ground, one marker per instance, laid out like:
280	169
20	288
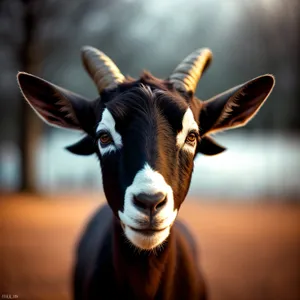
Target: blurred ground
249	251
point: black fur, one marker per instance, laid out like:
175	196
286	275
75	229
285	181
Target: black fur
148	117
118	271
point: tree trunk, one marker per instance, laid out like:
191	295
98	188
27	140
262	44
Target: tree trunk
30	124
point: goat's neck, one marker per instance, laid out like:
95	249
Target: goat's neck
143	271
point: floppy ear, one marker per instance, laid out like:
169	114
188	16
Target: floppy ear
85	146
235	107
208	146
55	105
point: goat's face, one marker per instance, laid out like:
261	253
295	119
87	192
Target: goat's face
147	139
146	134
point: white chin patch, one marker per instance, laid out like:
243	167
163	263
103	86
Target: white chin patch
149	182
146	242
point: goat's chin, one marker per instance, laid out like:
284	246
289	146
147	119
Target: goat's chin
146	242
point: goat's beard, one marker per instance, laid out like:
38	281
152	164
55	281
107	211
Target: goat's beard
147	238
146	241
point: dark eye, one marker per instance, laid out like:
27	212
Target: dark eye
191	138
105	138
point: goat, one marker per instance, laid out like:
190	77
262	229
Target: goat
146	134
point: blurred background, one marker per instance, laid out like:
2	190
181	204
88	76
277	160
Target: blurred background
243	204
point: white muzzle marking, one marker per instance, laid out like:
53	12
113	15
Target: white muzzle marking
149	182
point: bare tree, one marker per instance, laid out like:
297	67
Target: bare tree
36	46
30	125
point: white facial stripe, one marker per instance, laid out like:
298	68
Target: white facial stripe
108	123
150	182
188	124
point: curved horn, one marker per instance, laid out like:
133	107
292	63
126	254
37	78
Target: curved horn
187	74
101	68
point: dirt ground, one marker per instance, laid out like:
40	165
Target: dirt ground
248	251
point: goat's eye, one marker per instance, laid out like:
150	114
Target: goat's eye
105	138
191	138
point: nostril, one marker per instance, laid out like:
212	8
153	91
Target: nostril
149	202
161	204
139	203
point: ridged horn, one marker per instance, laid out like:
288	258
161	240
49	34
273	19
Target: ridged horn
101	68
187	74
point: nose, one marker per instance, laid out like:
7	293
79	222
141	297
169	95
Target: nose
150	203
